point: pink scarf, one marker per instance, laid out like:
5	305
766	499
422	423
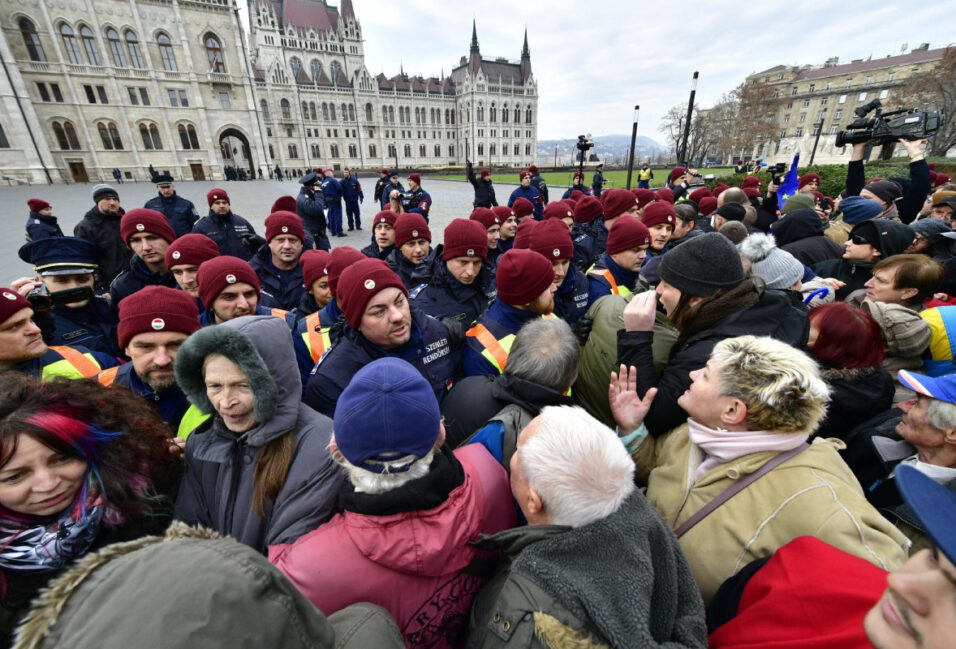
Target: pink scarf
721	446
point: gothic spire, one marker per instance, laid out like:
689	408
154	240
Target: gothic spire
525	52
474	37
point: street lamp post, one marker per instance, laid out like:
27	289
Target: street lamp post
823	115
682	150
630	159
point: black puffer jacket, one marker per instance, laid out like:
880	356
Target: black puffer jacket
856	394
104	231
801	234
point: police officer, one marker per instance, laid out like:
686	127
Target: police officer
526	191
277	262
416	200
393	185
644	176
148	235
310	206
153	324
352	193
229	288
233	234
413	256
383	235
41	222
332	192
616	203
588	215
183	258
101	225
617	271
598	181
552	240
380	186
380	323
68	264
484	188
180	213
538	183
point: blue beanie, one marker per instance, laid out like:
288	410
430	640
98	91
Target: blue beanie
387	415
857	209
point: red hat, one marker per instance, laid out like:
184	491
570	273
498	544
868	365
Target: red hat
932	166
503	212
627	233
817	195
465	238
676	173
720	187
557	210
644	196
617	202
385	216
313	264
523	235
587	209
35	204
416	178
485	173
144	220
384	171
156	308
753	181
753	192
699	193
11	302
576	195
708	205
410	226
522	275
941	179
283	204
522	207
217	194
284	223
578	174
216	274
485	216
805	179
340	259
664	194
360	282
191	250
522	175
552	239
659	212
533	169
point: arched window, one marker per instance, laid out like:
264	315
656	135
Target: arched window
408	150
193	140
527	115
115	136
316	69
293	151
481	115
517	118
384	114
71	135
391	114
481	149
447	118
305	110
422	152
517	150
451	149
351	113
32	40
166	52
325	111
154	134
336	69
89	44
504	113
491	149
135	54
493	115
116	49
368	112
187	136
264	108
285	108
312	114
295	64
332	111
104	136
214	53
60	136
70	45
345	113
144	133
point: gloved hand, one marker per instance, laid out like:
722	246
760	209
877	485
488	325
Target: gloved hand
456	331
253	242
582	329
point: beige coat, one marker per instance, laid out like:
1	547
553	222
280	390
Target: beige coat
811	494
838	231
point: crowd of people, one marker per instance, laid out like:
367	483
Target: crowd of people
697	416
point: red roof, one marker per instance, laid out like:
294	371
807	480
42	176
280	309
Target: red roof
308	13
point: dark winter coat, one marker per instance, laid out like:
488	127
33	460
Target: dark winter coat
231	234
386	192
538	183
180	213
351	189
136	277
443	296
590	242
274	293
310	206
502	320
856	394
331	190
104	231
530	193
571	298
800	233
412	275
909	206
854	273
92	326
41	227
598	286
484	189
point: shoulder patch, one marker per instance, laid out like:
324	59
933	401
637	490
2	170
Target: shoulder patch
412	294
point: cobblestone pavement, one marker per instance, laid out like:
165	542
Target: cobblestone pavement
250	199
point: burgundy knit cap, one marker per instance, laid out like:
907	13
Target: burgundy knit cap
191	250
217	194
557	210
416	178
465	238
644	196
658	212
284	223
313	264
522	175
617	202
522	275
552	238
699	193
485	216
751	192
384	171
533	169
503	212
35	204
627	233
818	195
708	205
587	209
411	225
720	187
749	181
156	308
941	179
578	174
360	282
676	173
385	216
806	179
522	207
339	260
217	274
144	220
576	195
485	173
664	194
523	235
10	303
283	204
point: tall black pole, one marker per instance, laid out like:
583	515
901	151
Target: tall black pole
690	113
816	141
630	160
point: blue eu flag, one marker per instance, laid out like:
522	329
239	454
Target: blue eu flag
789	185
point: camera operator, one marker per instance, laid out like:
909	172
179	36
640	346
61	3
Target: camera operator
680	179
909	206
415	200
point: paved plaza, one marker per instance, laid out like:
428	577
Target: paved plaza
251	200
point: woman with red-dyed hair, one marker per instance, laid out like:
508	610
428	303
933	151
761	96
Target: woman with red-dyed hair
848	344
81	466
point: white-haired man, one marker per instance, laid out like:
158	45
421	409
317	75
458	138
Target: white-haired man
596	565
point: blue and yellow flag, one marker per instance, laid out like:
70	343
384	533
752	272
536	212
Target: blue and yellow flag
789	186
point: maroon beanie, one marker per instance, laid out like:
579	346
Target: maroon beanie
35	204
522	275
576	195
617	202
385	216
644	196
665	194
557	210
522	175
533	169
699	193
708	205
283	204
657	213
552	238
805	179
503	212
313	264
485	216
465	238
485	173
587	209
676	173
416	178
411	225
360	282
10	303
284	223
216	194
523	235
340	259
522	207
941	179
144	220
751	192
749	181
720	187
626	233
156	308
191	250
216	274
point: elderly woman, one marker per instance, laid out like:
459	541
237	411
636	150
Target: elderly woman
738	480
259	470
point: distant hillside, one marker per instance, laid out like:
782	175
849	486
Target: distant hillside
612	149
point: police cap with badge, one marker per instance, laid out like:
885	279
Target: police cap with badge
60	256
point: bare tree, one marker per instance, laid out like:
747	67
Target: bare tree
935	89
756	119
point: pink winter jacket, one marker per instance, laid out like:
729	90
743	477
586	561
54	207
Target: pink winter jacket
411	563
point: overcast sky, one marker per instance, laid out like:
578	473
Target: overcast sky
593	61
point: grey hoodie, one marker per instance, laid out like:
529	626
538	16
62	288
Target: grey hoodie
217	485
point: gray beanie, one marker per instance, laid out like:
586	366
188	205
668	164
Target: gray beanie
778	268
703	265
933	229
102	191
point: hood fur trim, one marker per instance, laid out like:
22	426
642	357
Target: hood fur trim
557	635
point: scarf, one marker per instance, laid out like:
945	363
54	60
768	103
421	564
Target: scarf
741	297
721	446
890	213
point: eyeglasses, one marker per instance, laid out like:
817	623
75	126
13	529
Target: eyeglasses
858	240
